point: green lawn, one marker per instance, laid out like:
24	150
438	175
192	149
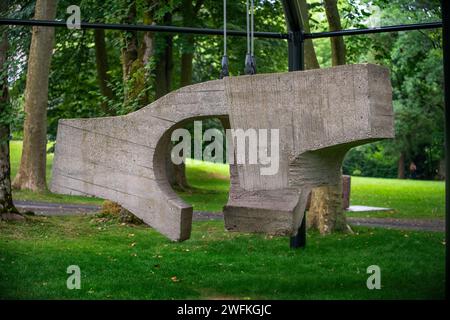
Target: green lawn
407	198
210	183
120	261
134	262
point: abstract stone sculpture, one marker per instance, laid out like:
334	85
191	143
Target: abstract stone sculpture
320	115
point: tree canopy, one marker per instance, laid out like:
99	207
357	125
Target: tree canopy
75	85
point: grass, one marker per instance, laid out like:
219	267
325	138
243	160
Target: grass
120	261
210	183
407	198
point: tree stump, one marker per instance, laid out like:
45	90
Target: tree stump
326	213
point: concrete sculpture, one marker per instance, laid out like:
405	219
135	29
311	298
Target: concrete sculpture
320	115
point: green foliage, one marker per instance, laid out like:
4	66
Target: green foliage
415	61
414	58
73	88
370	161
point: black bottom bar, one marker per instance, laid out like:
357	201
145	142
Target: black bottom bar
299	241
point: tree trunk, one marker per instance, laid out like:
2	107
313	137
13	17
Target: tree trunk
187	54
164	64
131	64
326	213
148	49
130	48
186	65
7	208
401	166
31	173
101	58
334	23
176	173
310	57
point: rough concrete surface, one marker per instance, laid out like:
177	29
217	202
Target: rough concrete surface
320	115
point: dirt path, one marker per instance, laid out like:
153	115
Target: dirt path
57	209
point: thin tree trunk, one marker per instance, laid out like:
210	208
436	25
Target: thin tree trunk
311	61
130	58
148	46
187	54
101	58
186	66
164	65
130	48
337	43
31	173
401	166
7	208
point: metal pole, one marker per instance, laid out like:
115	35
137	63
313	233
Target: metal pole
218	32
142	27
354	32
446	54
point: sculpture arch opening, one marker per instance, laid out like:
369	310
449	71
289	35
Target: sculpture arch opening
163	161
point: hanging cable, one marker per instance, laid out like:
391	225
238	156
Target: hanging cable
249	65
251	27
252	52
224	70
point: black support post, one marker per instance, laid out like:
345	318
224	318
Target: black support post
299	240
296	63
295	44
446	48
